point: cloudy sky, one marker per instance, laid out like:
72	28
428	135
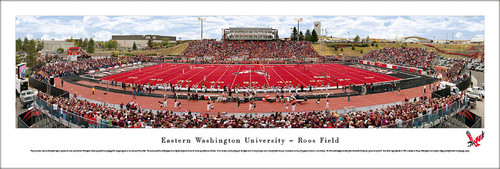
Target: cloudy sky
188	27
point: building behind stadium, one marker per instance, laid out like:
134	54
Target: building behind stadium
53	45
141	41
248	33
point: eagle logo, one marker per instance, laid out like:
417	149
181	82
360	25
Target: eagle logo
476	141
249	71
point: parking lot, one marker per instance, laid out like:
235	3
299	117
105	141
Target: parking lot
479	110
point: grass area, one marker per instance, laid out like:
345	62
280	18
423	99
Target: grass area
456	46
106	51
175	50
326	50
323	49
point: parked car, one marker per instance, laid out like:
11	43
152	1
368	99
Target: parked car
455	91
27	97
475	95
476	89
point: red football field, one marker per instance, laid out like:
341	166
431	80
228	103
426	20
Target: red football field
255	75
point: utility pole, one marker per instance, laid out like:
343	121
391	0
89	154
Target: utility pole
201	19
446	38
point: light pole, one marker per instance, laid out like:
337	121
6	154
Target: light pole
201	19
349	40
324	37
298	26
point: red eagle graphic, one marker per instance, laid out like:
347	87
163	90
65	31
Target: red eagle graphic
476	141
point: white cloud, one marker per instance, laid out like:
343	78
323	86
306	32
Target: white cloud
472	26
49	25
29	36
458	35
188	27
102	35
189	35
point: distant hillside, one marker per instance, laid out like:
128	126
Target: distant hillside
325	49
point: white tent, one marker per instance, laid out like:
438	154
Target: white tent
412	40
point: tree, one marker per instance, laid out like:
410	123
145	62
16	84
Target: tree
69	40
376	45
294	34
32	47
85	43
111	44
101	44
361	50
356	39
373	43
39	46
91	47
134	47
32	54
301	36
164	41
353	47
18	59
308	35
341	49
367	39
314	36
19	44
150	43
114	44
157	45
60	50
336	49
26	44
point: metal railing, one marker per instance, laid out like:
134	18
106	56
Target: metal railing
21	123
69	118
367	108
478	124
434	118
426	120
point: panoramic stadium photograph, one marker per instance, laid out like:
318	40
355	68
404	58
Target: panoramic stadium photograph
249	71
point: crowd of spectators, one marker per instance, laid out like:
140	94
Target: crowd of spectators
250	49
132	116
411	57
66	68
453	74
